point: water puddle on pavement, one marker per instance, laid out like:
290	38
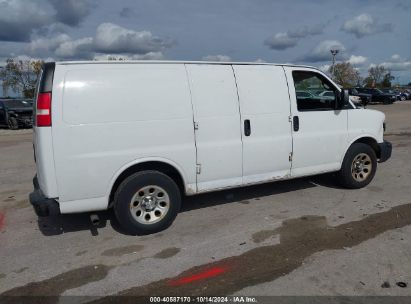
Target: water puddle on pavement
167	253
21	270
122	250
60	283
80	253
299	239
263	235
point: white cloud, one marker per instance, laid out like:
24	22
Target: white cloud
397	66
396	58
395	63
75	48
322	51
112	38
259	60
280	41
148	56
364	25
219	58
43	44
357	60
289	39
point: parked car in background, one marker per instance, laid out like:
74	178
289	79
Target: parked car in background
304	94
403	96
360	98
30	101
406	95
397	93
329	94
378	96
311	94
16	113
356	100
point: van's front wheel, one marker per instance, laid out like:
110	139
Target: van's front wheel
147	202
359	166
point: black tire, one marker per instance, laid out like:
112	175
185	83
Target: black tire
346	174
13	123
131	187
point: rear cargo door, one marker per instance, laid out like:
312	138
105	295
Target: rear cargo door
42	132
217	126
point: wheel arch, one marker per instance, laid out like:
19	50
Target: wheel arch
157	164
368	140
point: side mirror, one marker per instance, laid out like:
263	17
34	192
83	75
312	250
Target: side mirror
343	98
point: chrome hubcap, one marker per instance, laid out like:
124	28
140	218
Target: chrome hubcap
361	167
149	204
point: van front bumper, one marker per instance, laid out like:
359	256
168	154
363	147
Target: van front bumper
385	151
42	205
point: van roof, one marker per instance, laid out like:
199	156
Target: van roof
177	62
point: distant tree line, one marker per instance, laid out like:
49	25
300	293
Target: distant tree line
21	76
347	76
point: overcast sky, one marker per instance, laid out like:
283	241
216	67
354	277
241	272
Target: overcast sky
367	32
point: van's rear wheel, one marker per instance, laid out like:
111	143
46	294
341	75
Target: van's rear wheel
147	202
359	166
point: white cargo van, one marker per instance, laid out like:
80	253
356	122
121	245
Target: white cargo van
138	136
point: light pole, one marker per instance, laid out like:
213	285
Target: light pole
334	53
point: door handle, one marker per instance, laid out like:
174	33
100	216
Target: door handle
247	127
296	123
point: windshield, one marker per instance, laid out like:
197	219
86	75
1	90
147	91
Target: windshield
17	103
378	91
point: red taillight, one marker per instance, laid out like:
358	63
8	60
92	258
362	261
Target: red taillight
43	110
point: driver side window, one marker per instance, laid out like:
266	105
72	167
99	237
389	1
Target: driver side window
313	92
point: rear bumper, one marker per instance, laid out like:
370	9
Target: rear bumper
42	205
385	151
